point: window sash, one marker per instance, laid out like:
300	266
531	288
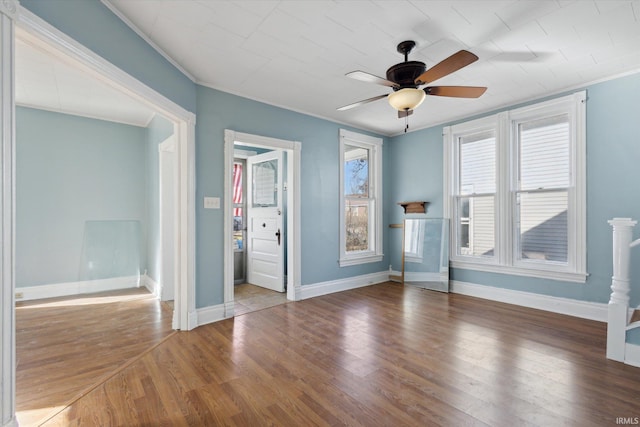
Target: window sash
477	229
353	250
508	257
355	220
544	225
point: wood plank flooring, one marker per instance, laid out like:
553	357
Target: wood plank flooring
248	298
66	346
383	355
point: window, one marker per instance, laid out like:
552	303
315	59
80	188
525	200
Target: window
515	184
360	198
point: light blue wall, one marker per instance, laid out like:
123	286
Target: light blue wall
415	174
613	171
71	171
218	111
91	23
158	130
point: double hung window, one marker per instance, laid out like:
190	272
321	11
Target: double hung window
360	198
515	184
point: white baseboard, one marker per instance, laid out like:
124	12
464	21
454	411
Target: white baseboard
583	309
415	276
209	314
76	288
632	355
151	285
329	287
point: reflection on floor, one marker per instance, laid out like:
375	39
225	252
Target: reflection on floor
250	298
65	347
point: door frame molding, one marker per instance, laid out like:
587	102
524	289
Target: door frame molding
41	33
167	150
294	256
8	16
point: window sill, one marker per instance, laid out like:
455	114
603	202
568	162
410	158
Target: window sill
346	262
564	276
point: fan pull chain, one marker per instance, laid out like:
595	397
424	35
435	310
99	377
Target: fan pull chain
406	122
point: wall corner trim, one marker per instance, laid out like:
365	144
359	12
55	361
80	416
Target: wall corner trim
571	307
210	314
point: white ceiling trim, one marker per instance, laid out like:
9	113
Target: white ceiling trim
86	115
288	108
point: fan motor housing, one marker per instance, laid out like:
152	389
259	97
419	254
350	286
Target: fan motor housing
405	74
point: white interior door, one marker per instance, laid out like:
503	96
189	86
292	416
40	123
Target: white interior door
265	234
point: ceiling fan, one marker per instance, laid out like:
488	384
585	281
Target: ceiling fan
405	77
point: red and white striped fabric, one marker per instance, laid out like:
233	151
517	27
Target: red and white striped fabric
237	188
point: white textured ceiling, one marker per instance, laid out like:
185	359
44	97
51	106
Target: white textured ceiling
295	54
48	80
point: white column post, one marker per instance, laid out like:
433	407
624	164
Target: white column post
8	12
619	301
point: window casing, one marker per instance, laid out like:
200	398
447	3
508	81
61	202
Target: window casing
360	198
515	185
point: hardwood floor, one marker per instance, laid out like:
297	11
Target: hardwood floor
249	298
67	346
379	355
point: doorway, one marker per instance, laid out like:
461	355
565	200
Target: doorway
50	39
279	231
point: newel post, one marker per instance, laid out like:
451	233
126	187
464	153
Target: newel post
619	302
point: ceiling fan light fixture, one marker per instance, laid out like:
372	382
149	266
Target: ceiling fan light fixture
406	99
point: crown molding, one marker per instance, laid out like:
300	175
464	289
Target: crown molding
146	38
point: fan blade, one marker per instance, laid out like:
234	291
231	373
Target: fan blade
447	66
370	78
364	101
455	91
404	113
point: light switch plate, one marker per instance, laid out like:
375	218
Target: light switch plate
212	202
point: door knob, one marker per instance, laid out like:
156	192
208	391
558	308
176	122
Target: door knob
278	236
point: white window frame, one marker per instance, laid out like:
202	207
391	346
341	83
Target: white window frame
374	145
505	124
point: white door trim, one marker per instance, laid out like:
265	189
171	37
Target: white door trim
294	255
40	33
8	11
168	227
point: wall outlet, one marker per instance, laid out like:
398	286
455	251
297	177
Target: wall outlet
19	295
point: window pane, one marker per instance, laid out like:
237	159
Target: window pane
357	225
476	232
478	163
238	229
265	180
356	171
543	226
544	153
237	183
